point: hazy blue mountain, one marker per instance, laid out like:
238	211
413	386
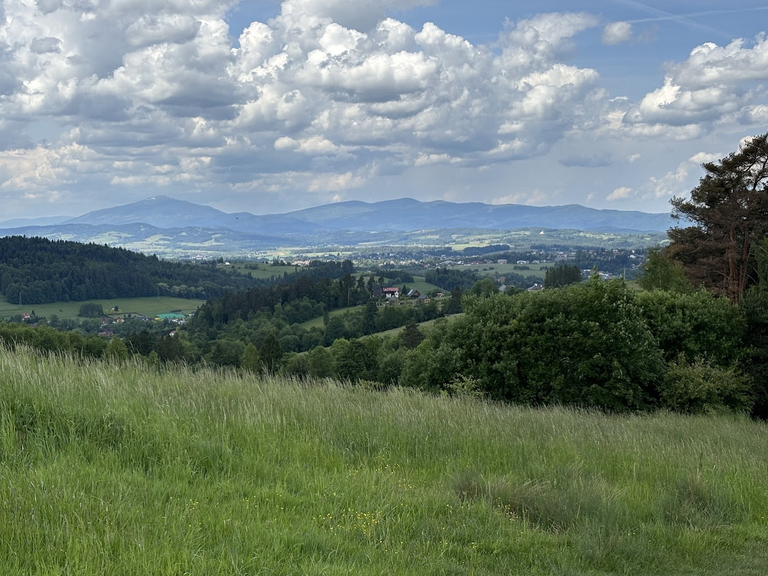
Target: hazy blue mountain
174	228
408	214
165	242
160	211
391	215
164	212
24	222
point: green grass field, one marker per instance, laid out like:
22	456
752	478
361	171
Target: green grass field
264	272
537	270
422	286
146	306
122	469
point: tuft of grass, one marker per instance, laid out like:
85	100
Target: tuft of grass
698	504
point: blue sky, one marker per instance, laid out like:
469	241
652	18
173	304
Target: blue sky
269	106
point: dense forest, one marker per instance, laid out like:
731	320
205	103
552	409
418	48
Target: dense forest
37	270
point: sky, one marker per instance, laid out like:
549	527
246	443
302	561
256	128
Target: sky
267	106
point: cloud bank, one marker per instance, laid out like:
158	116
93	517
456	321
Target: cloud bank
140	95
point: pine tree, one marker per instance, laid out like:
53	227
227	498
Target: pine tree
369	318
411	335
271	353
454	303
729	212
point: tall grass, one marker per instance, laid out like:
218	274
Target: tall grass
124	469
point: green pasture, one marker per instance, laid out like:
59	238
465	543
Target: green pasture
537	270
124	468
422	286
150	306
264	272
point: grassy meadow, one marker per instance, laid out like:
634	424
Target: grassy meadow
150	306
422	285
265	271
538	270
126	469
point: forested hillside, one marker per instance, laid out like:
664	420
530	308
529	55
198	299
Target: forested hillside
37	270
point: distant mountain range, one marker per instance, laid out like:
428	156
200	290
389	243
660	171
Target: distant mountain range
179	225
407	215
23	222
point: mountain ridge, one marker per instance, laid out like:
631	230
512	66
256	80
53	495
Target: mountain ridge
174	228
403	214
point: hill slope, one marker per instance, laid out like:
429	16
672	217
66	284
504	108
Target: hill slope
37	270
121	469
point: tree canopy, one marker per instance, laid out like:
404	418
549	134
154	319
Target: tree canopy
729	212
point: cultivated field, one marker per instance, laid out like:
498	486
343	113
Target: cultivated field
124	469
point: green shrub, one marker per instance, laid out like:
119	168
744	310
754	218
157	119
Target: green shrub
696	324
584	345
701	387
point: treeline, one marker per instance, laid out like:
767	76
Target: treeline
251	316
597	344
606	261
156	347
37	270
297	299
450	278
391	276
319	269
483	250
562	275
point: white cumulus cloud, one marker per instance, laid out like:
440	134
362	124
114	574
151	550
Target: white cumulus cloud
714	85
329	95
324	96
616	33
622	193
